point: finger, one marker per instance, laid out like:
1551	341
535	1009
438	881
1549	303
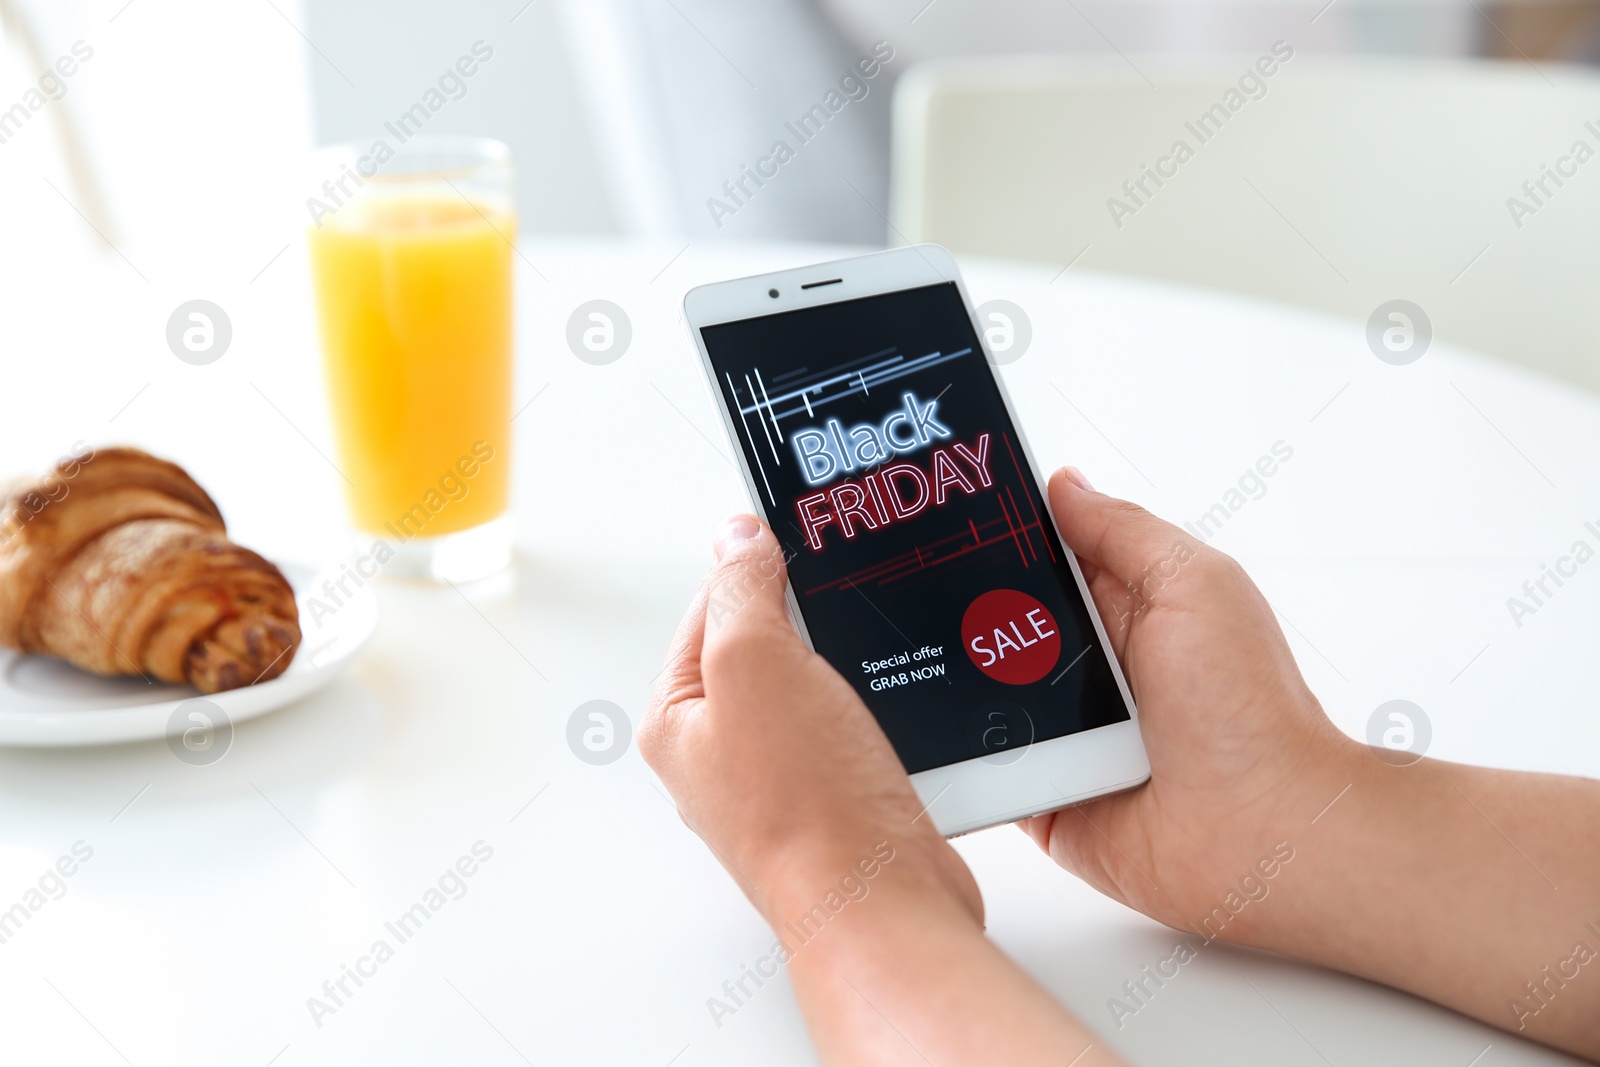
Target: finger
1121	539
743	568
1075	839
1037	827
677	683
680	675
1057	835
744	596
1118	608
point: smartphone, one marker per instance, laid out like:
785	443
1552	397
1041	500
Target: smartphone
877	440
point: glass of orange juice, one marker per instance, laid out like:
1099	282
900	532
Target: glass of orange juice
411	256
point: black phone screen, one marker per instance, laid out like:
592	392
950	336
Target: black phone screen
919	548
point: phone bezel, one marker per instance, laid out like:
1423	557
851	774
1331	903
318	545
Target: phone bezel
975	793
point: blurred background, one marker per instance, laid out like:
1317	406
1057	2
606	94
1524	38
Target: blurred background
686	90
1391	145
1337	157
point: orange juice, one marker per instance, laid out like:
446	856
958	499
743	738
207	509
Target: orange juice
414	296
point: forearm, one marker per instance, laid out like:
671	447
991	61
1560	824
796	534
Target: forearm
906	975
1475	888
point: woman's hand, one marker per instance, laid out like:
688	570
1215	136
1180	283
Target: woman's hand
1263	824
1241	755
1435	878
777	764
772	757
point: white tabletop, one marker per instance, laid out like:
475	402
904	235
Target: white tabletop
220	898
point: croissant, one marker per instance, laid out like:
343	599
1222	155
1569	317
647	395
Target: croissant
119	563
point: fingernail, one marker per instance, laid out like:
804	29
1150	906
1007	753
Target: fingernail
738	528
1077	478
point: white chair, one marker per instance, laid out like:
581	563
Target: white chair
684	94
1333	186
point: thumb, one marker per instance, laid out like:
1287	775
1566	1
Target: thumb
744	598
1113	536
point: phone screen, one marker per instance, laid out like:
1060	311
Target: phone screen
918	544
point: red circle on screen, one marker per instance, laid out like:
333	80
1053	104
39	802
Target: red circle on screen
1010	636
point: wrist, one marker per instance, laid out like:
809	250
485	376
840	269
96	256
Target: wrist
1261	878
811	887
1362	847
906	970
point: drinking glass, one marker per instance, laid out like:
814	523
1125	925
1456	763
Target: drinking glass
412	265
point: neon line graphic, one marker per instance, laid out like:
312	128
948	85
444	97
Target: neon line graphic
915	565
1026	531
1014	535
1049	540
850	364
931	360
754	451
763	385
922	363
817	387
841	372
757	409
876	374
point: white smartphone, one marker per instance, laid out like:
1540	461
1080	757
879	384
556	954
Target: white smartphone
880	445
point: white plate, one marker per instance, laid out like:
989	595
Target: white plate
46	702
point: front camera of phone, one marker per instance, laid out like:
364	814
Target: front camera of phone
773	293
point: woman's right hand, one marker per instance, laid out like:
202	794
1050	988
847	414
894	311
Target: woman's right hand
1242	757
1473	887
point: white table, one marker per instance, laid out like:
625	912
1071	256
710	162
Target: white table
220	898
